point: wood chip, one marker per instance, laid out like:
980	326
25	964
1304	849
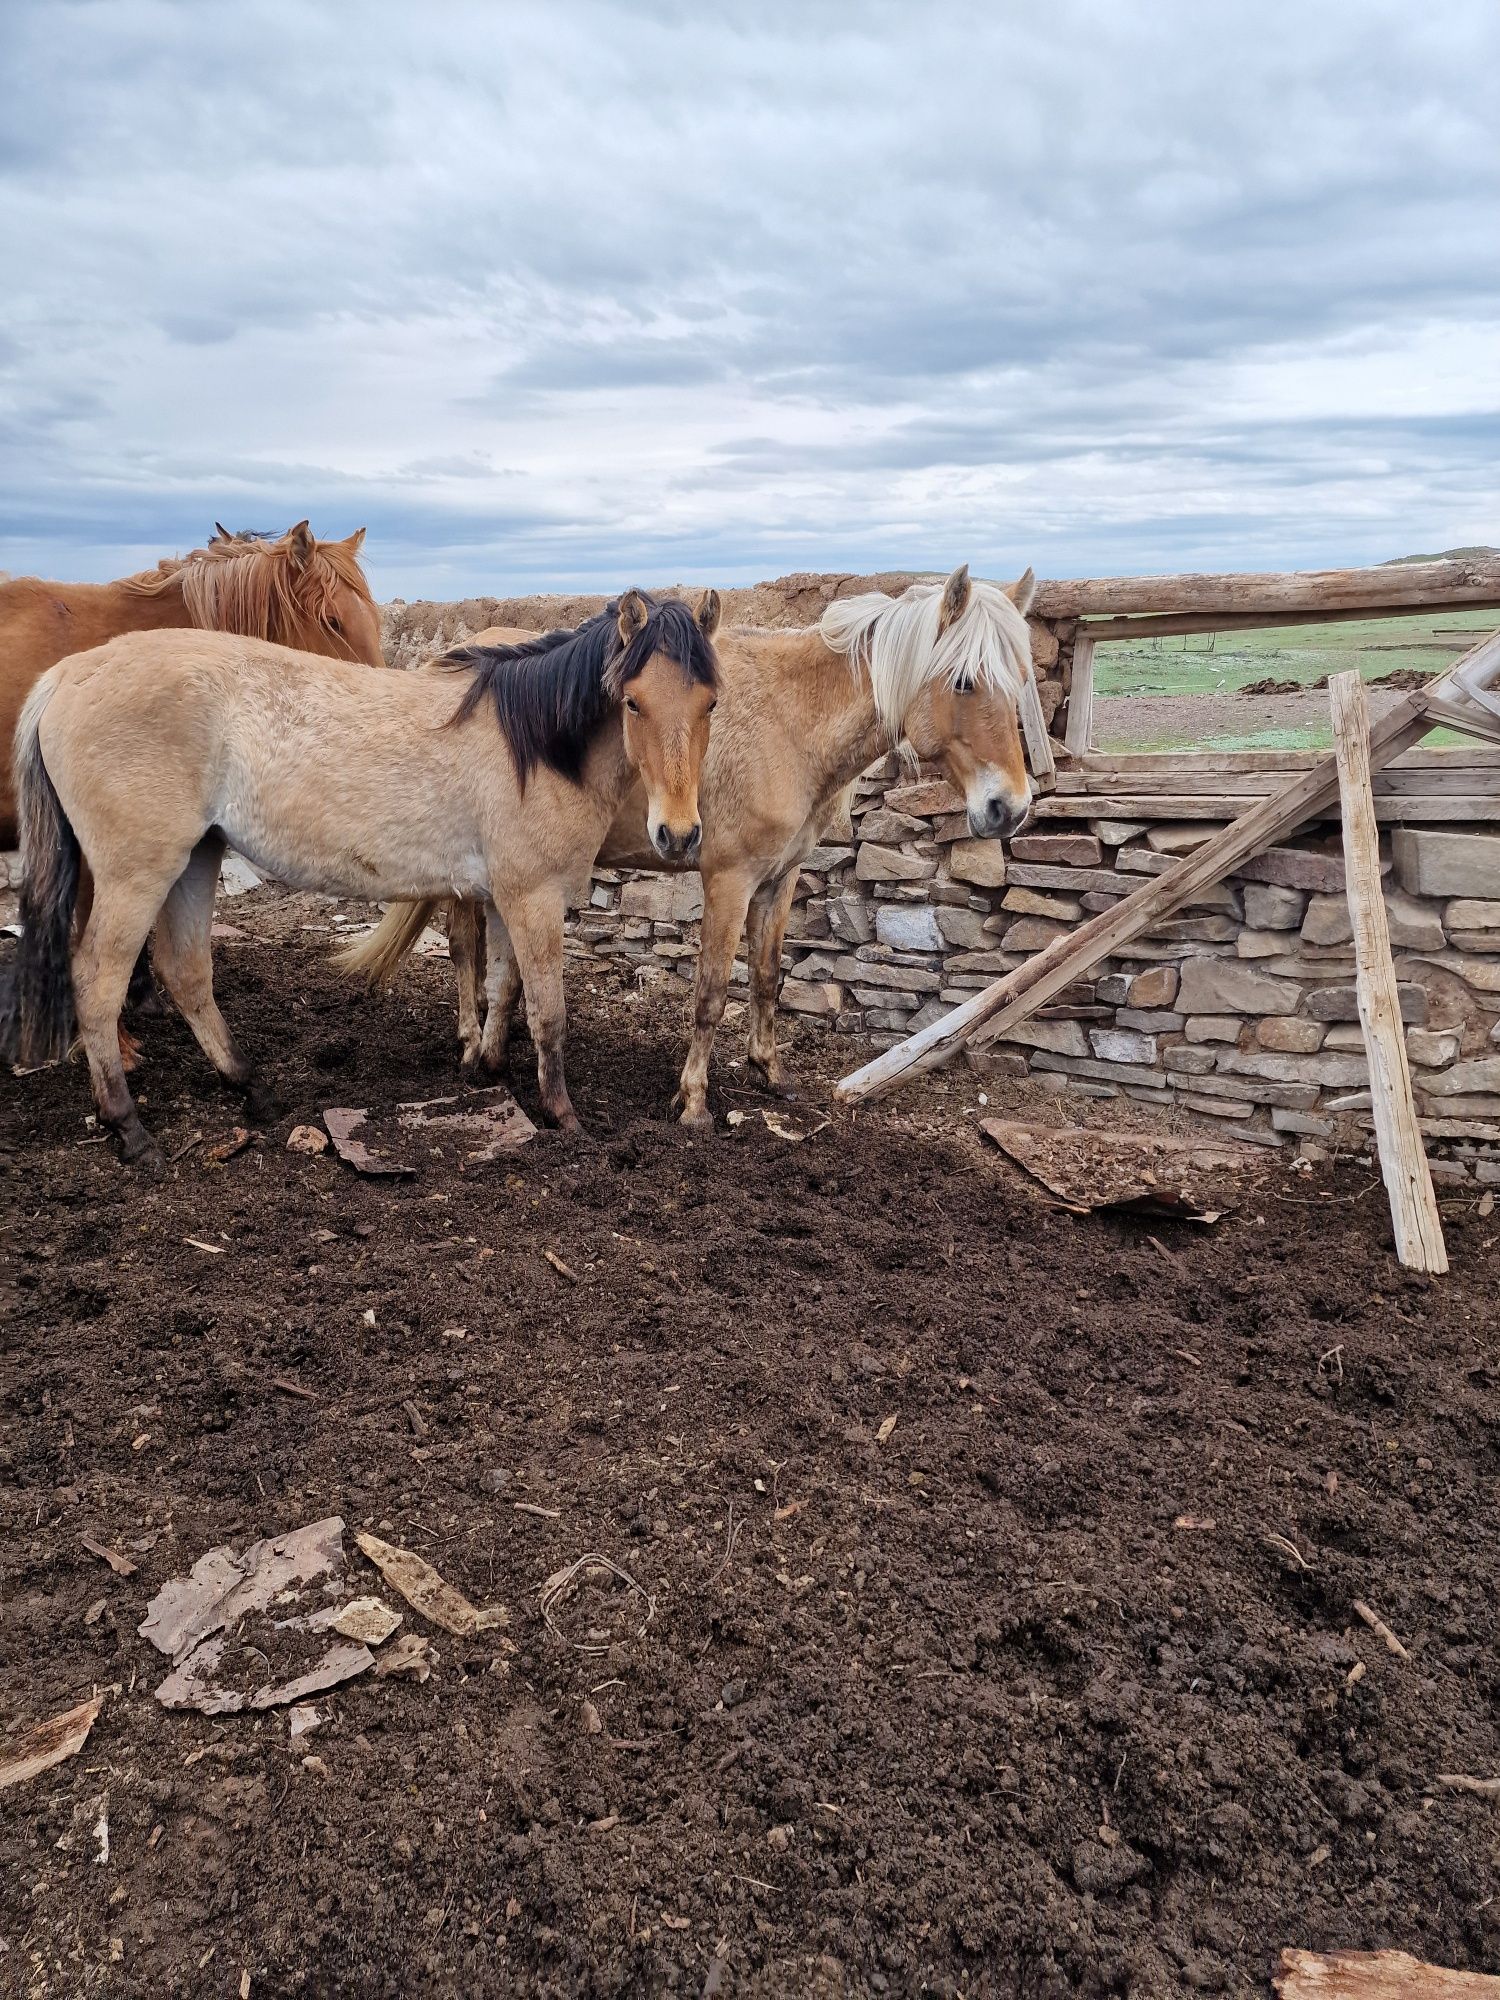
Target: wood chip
197	1243
1381	1630
290	1388
47	1743
121	1565
563	1270
1457	1781
541	1513
427	1592
1195	1521
887	1425
1376	1975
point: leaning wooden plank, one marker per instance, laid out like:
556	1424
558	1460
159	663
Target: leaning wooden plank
1376	1975
1458	580
1081	697
1403	1163
1018	994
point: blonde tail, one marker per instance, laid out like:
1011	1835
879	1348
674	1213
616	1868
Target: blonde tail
378	956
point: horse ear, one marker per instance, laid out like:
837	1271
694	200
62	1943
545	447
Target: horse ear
955	598
221	533
355	542
631	617
710	611
300	544
1023	590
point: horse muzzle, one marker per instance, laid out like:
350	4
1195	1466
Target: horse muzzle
996	817
678	846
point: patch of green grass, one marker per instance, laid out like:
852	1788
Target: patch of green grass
1224	662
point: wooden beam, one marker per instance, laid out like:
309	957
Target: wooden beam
1081	697
1403	1163
1182	624
1393	586
1376	1975
1038	737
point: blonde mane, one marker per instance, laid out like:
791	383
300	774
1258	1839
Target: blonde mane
896	641
260	590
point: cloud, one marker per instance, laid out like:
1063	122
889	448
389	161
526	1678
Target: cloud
599	292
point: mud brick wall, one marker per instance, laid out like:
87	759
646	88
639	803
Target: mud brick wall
1240	1009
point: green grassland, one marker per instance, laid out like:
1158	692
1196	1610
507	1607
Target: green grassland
1135	680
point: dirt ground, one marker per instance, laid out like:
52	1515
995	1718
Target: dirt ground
958	1703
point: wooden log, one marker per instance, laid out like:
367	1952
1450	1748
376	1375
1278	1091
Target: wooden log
1403	1163
1181	624
1393	586
1081	697
1449	757
1390	808
1376	1975
1010	999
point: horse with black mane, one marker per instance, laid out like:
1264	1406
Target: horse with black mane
331	779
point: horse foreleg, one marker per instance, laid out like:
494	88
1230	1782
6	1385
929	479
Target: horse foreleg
726	898
535	927
765	929
466	950
502	991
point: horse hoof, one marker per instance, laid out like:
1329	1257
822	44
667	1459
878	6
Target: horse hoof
139	1150
696	1119
261	1106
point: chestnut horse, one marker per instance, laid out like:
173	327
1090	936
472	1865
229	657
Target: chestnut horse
332	779
294	590
937	672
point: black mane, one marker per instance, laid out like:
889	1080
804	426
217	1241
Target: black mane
552	694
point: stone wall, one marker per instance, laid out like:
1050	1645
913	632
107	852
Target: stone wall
1240	1009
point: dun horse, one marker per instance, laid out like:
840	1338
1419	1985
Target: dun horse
328	778
294	590
938	670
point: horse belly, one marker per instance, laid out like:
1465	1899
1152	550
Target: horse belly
331	841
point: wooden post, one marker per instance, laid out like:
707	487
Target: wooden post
1012	998
1081	696
1408	1182
1376	1975
1038	739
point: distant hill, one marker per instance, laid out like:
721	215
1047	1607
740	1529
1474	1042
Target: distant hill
1441	555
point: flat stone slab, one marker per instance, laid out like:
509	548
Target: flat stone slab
1433	863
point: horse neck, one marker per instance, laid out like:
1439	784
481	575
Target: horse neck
607	771
834	709
94	612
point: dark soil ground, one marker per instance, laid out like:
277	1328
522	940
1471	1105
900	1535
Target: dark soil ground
967	1710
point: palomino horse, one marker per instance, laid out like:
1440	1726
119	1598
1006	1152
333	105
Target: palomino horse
332	779
296	591
937	671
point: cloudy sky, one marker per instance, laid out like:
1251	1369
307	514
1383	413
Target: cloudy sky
597	293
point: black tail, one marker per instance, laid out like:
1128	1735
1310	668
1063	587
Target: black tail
36	1010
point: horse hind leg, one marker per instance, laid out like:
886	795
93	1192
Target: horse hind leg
466	951
535	927
502	990
183	957
118	925
765	930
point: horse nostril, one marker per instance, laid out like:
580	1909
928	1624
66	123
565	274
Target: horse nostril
693	840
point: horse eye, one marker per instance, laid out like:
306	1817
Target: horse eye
712	706
632	704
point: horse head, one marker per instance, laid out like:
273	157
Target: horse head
321	602
666	677
966	714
